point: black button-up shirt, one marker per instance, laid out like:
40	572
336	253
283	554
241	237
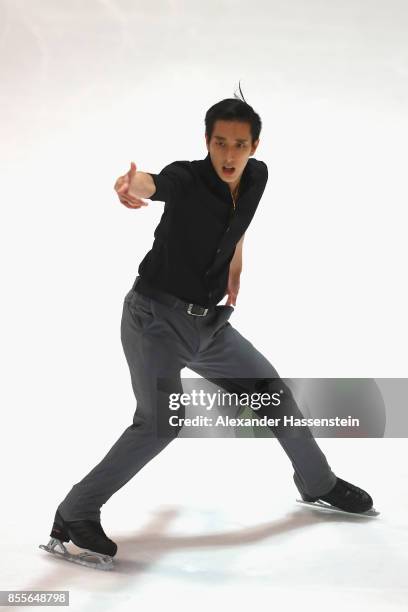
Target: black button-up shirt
196	237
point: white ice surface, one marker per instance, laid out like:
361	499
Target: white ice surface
227	531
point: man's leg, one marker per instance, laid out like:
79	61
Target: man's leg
150	352
229	357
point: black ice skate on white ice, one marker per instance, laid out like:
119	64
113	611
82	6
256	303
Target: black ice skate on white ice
345	498
87	534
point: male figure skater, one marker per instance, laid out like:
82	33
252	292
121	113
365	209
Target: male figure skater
172	319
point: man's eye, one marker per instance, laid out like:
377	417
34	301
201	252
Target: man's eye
240	145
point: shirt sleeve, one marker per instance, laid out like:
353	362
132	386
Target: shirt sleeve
172	182
262	179
265	170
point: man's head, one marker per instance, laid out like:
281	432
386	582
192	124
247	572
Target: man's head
232	129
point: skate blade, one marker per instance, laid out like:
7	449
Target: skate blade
87	558
320	505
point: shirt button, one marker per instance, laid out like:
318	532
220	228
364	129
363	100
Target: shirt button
206	273
209	293
228	229
218	250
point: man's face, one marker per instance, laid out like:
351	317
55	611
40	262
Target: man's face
230	146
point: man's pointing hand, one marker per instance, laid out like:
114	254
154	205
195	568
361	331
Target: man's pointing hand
123	188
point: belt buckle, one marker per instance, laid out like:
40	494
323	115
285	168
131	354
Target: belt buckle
197	314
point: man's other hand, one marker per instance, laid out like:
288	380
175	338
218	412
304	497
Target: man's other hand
232	290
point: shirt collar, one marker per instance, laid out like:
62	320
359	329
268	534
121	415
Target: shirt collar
219	186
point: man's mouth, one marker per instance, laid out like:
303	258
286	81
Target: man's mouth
228	170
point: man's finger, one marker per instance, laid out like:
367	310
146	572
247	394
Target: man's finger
132	171
123	188
132	203
120	180
131	200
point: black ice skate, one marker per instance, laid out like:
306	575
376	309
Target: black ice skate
85	534
345	498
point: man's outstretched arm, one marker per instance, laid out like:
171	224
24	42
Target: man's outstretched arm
173	181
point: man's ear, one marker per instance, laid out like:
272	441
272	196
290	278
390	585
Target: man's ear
254	146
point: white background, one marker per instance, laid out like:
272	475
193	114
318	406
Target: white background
86	87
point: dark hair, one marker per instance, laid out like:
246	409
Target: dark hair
233	109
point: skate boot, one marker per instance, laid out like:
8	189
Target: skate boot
343	497
87	534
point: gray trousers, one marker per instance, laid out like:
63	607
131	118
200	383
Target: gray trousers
159	340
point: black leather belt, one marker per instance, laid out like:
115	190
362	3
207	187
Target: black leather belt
142	286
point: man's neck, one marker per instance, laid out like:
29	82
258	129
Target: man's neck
234	187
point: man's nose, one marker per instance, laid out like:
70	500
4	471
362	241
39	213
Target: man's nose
229	152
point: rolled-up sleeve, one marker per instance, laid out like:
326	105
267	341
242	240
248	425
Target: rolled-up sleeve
171	182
